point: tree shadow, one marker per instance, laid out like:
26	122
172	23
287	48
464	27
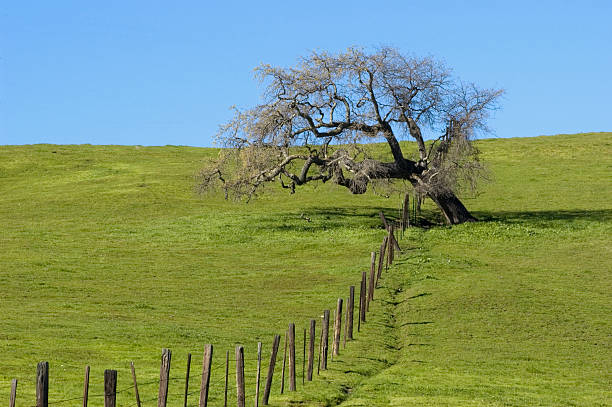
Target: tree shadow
324	218
597	215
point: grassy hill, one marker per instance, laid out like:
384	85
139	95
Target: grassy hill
108	256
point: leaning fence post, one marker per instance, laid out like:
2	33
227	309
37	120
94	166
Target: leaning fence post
164	375
110	388
42	384
86	387
381	259
337	328
268	386
350	308
291	331
187	378
13	393
325	333
311	345
135	384
372	275
240	376
206	368
384	221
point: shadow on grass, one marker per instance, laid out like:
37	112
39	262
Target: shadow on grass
601	215
417	323
325	218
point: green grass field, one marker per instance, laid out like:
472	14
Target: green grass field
108	256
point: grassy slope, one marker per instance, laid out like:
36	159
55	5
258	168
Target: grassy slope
109	246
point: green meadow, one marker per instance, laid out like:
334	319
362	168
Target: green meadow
107	255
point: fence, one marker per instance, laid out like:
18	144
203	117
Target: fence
369	282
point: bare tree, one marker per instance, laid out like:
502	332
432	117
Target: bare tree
317	119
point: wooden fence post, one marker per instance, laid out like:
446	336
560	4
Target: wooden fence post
390	246
345	327
13	393
240	397
311	345
362	295
350	308
372	276
86	387
226	376
282	389
292	357
187	378
206	368
110	388
325	333
304	360
337	328
381	259
405	208
42	384
135	384
268	386
164	375
320	349
384	221
333	319
258	374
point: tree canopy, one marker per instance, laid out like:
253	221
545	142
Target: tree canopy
316	118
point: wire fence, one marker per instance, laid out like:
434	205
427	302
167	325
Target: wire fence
320	344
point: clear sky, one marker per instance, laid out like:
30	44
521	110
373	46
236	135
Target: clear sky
161	72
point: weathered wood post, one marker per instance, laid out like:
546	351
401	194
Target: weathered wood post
13	393
273	354
345	327
86	387
337	328
291	331
304	360
381	259
206	368
42	384
226	377
405	211
371	281
362	295
384	221
110	388
325	341
135	384
311	345
164	376
258	374
391	253
187	379
240	396
282	389
320	349
350	308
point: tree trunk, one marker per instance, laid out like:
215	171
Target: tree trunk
454	211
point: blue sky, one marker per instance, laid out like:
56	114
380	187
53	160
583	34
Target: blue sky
160	72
